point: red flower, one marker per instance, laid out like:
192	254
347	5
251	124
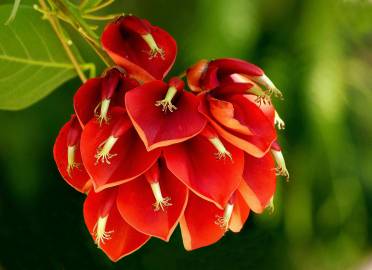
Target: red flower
259	181
114	154
164	114
154	202
109	230
68	158
97	95
204	224
239	120
147	52
206	75
209	166
158	155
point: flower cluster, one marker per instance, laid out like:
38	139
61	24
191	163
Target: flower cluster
151	154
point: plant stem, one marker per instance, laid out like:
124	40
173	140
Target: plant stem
82	27
54	22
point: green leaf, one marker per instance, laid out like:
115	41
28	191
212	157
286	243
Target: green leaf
32	60
13	12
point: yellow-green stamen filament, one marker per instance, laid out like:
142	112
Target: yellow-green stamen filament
102	116
224	221
71	164
269	85
279	121
160	202
99	231
166	103
103	151
281	168
154	48
221	149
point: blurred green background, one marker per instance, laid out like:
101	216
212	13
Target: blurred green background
318	52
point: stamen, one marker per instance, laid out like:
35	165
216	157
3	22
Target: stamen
154	48
102	116
99	231
261	95
221	150
279	121
166	103
281	168
161	202
265	81
103	151
224	221
71	164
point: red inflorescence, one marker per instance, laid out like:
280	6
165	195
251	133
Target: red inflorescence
151	154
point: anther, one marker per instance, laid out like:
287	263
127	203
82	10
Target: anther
155	51
269	85
224	221
152	177
73	137
262	97
104	149
110	83
99	231
212	137
175	85
142	28
103	152
281	168
102	116
71	163
279	121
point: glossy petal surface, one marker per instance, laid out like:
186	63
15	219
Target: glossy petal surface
78	178
240	213
198	225
156	127
86	99
131	158
240	122
135	203
123	238
130	51
259	181
194	162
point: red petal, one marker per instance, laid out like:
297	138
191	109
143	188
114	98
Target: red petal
130	51
86	99
232	89
224	112
195	164
240	213
157	128
124	239
132	158
79	178
259	182
195	73
90	94
240	117
198	225
135	203
233	65
267	108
